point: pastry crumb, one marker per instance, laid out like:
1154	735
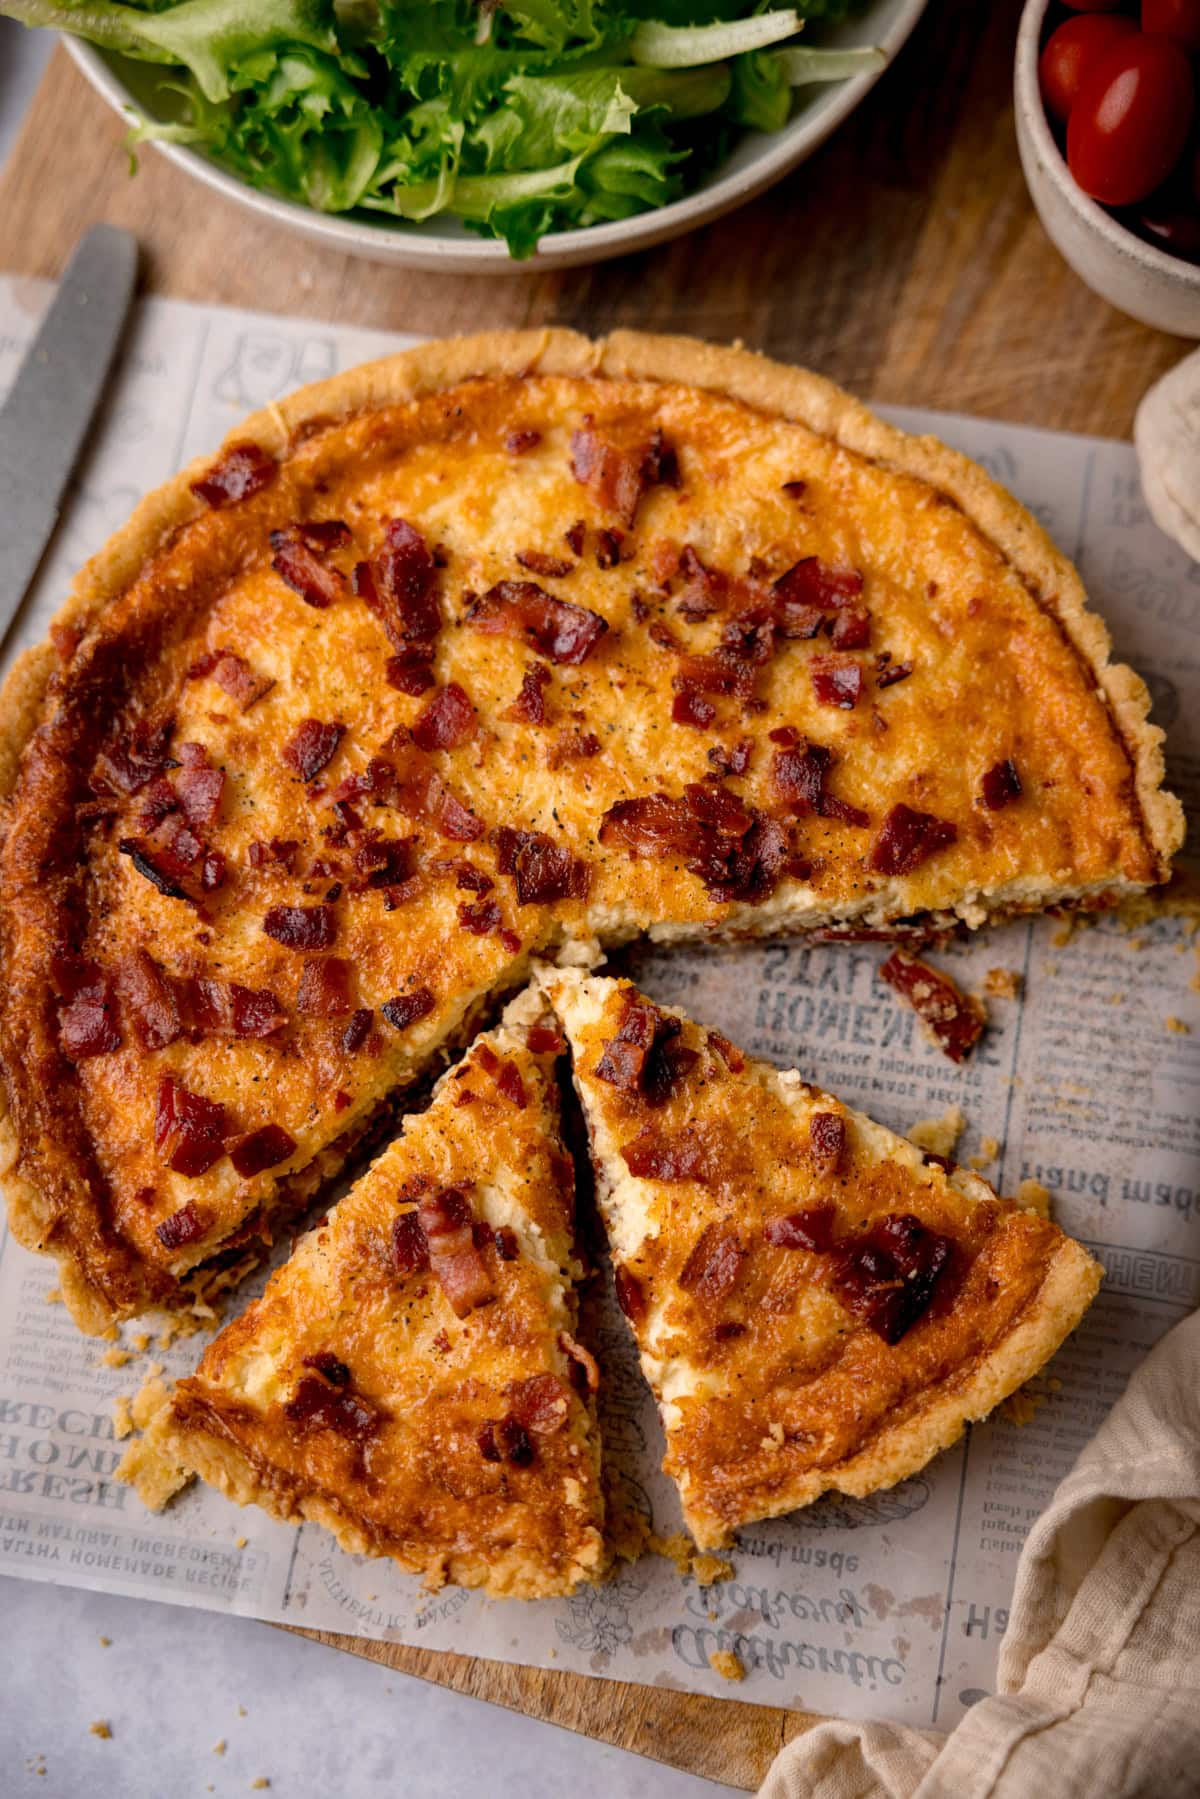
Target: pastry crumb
989	1149
1002	983
1178	1027
939	1136
115	1358
240	1542
242	1712
725	1663
142	1342
218	1747
54	1298
1033	1197
106	1642
122	1416
101	1728
678	1548
149	1399
257	1786
709	1569
1021	1407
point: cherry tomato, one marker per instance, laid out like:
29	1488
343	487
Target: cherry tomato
1072	50
1179	19
1131	119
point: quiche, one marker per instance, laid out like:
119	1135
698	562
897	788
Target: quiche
817	1303
481	653
410	1378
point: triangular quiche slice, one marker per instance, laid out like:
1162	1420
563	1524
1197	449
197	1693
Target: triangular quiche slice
817	1304
410	1378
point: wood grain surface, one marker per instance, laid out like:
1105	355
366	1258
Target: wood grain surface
904	260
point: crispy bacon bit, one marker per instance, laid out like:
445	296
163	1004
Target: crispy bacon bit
799	776
663	636
398	585
644	1059
509	1083
383	862
311	747
227	1009
836	681
298	561
564	633
529	707
725	760
150	1000
88	1025
541	1403
956	1020
544	871
235	675
198	785
521	441
572	746
126	765
447	722
693	709
514	1442
812	1230
357	1031
410	670
481	918
608	548
575	537
668	1155
407	1008
212	871
544	1040
326	1363
706	590
281	850
1001	785
489	1448
240	472
827	1141
317	1404
185	1226
721	1046
507	1247
261	1149
889	1275
887	672
410	1251
630	1297
737	852
302	927
585	1370
712	1269
445	1217
908	838
325	988
795	490
810	589
551	568
471	879
412	785
851	629
152	870
189	1130
617	478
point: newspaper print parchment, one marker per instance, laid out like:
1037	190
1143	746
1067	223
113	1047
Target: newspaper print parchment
890	1606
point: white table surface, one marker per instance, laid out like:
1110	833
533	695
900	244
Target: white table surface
171	1683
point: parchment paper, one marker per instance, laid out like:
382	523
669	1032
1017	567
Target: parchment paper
890	1606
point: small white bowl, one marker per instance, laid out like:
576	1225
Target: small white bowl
440	244
1138	278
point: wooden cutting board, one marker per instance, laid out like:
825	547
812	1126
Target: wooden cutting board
904	260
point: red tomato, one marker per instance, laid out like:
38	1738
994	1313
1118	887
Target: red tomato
1179	19
1131	119
1072	50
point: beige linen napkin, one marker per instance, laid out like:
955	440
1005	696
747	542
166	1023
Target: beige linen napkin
1099	1679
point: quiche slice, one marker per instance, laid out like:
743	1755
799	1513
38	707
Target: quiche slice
460	659
409	1378
817	1304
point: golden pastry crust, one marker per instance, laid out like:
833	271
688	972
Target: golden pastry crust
354	1393
784	1361
473	442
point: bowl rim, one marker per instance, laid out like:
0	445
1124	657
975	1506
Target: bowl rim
782	151
1028	95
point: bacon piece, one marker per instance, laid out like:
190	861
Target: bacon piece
544	1040
737	852
189	1130
398	585
544	871
445	1217
630	1295
88	1024
325	988
480	919
407	1008
706	590
383	862
317	1404
153	869
644	1059
827	1141
560	631
357	1031
584	1363
725	760
298	561
311	747
507	1247
413	786
325	1362
302	927
126	764
235	675
718	673
609	545
1001	785
281	850
529	707
212	871
712	1269
520	441
798	777
956	1020
668	1155
693	709
508	1082
887	672
551	568
241	471
889	1276
810	589
198	785
617	477
732	1058
836	681
261	1149
227	1009
150	1000
185	1226
908	838
572	746
541	1403
410	1251
811	1230
410	670
447	722
851	629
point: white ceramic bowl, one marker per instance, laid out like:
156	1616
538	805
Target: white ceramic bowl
1138	278
445	244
